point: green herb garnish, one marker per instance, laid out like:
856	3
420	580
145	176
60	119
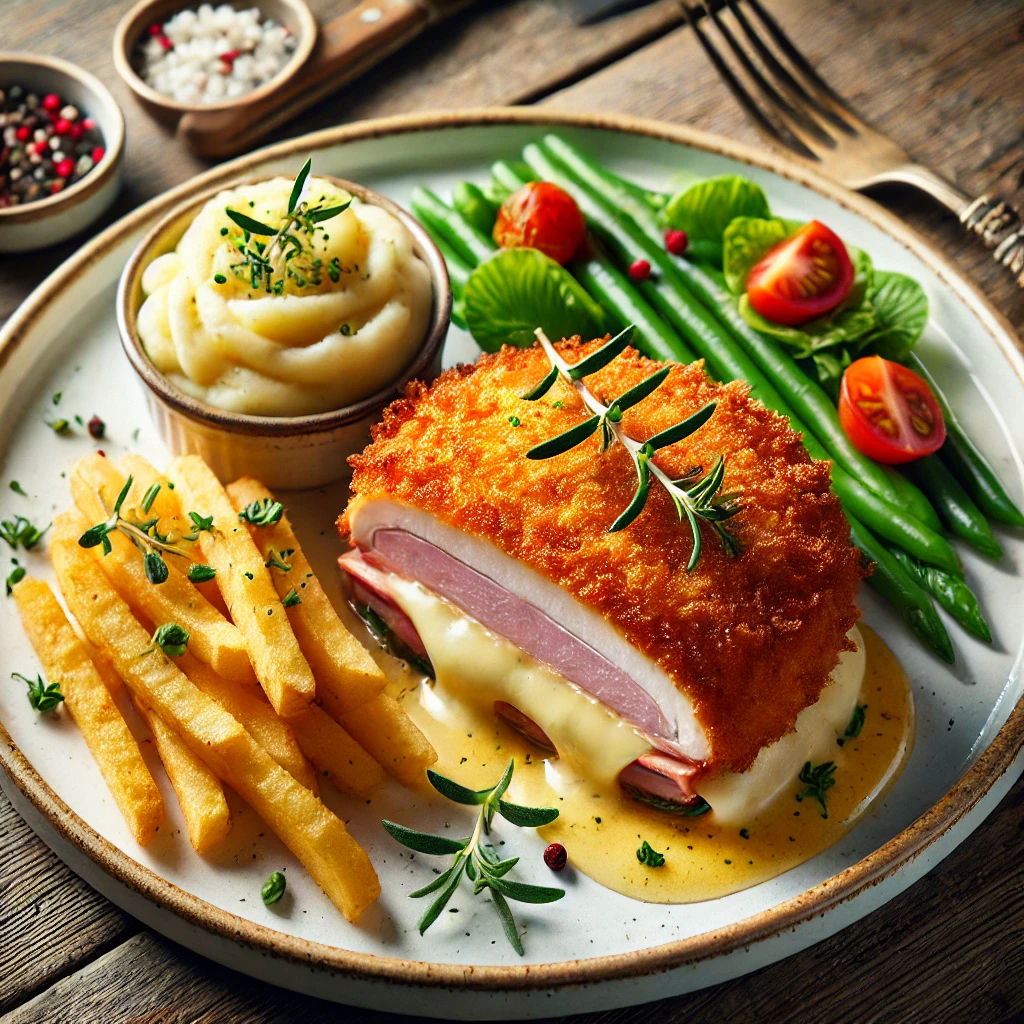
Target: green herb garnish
291	599
41	696
818	779
478	860
16	575
694	494
199	573
201	523
17	488
262	512
20	530
287	256
59	426
856	722
273	888
275	560
646	854
170	638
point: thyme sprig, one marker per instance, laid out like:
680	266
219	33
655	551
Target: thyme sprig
695	494
818	779
143	534
20	530
475	858
42	696
262	512
288	242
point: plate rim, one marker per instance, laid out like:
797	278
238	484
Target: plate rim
888	859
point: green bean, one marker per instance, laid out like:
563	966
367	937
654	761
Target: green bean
805	396
914	499
896	586
475	207
728	359
952	593
472	246
458	275
615	292
508	176
969	466
961	516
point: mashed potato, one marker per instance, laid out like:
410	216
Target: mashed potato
339	311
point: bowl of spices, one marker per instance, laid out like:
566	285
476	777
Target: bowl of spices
61	150
210	65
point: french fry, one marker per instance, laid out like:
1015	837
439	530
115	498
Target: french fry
346	675
308	828
115	750
260	720
213	639
245	582
200	793
383	728
334	753
167	506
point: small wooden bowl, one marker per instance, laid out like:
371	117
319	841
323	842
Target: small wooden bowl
287	452
132	29
58	217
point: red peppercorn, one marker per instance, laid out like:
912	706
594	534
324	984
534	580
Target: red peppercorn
98	154
23	133
166	43
231	56
639	270
96	427
56	187
62	126
87	123
555	856
156	30
65	168
77	130
52	102
676	242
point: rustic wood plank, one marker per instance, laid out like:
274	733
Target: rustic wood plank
945	79
51	922
493	54
919	960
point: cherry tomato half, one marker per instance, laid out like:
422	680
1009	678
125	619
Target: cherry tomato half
541	216
889	412
802	277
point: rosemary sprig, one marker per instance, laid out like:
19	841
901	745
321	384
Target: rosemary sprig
818	779
268	265
696	497
143	534
42	696
478	860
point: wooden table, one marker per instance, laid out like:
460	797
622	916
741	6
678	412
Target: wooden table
943	77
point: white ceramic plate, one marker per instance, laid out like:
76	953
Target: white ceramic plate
595	949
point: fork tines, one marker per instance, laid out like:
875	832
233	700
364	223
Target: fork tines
776	85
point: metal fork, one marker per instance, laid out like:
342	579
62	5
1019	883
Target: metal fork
792	106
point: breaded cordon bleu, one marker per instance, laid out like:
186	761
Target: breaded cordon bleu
707	686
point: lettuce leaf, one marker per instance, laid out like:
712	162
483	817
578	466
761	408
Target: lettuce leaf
704	210
901	312
747	240
518	290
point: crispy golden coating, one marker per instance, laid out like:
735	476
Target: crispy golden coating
751	640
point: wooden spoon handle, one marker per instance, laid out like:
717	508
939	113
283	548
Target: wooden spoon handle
345	49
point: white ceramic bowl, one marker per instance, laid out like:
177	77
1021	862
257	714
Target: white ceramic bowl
58	217
285	452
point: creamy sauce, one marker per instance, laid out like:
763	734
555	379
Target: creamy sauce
602	828
331	324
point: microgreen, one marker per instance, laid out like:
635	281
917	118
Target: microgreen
273	888
143	534
475	858
287	256
291	599
42	696
646	854
170	638
262	512
20	530
695	495
818	779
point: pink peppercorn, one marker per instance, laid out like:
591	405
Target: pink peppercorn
166	43
98	154
676	242
23	133
555	856
639	270
87	123
56	187
52	101
156	30
62	126
77	130
65	168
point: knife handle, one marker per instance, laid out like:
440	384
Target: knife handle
345	48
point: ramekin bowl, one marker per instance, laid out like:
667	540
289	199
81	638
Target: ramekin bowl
58	217
286	452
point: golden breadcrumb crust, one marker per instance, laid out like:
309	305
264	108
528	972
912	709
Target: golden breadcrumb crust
750	640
